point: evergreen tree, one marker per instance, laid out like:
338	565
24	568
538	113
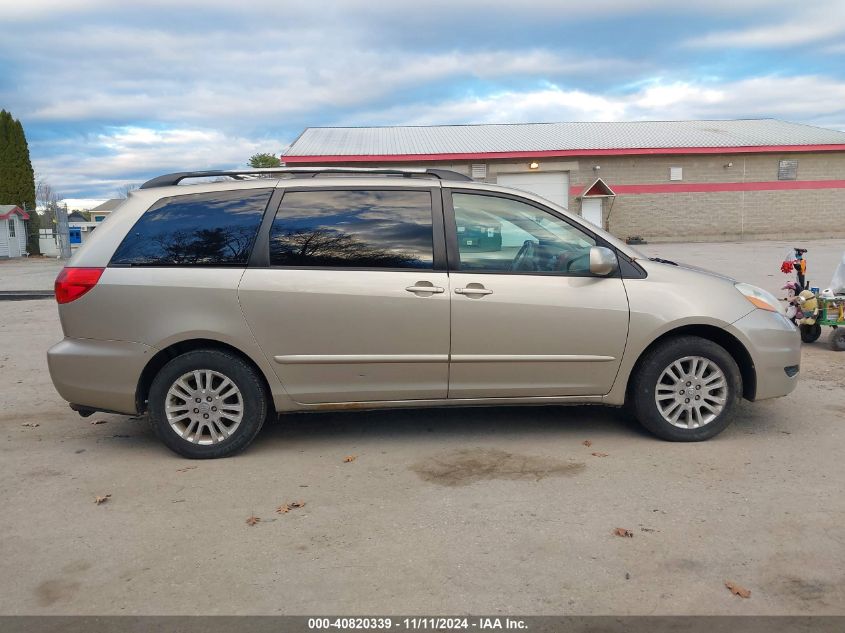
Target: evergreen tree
17	179
5	158
26	192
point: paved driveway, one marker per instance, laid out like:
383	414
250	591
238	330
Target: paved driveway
460	511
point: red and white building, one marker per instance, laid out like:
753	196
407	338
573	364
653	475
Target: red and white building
659	180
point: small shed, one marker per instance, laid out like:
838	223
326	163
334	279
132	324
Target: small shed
12	231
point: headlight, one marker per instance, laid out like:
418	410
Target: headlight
759	298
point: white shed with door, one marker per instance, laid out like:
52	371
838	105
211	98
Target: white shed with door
12	231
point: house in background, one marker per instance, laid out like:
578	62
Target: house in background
100	213
660	180
12	231
79	229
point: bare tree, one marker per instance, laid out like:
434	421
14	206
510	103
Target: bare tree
123	190
46	201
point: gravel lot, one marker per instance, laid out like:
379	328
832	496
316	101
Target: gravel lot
31	273
449	511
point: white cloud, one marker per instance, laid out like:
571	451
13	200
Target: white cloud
133	152
812	99
835	49
368	10
548	104
34	9
282	60
659	96
803	25
159	86
238	83
82	204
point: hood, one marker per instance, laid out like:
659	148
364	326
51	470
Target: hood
648	262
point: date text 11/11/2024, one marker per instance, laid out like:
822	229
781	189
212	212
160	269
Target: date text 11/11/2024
419	623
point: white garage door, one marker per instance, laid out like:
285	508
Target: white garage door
552	185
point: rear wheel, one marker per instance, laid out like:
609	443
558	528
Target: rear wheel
207	403
811	333
837	339
686	389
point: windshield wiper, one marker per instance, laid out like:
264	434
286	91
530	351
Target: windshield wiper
660	260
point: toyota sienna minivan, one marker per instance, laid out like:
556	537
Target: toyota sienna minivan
215	306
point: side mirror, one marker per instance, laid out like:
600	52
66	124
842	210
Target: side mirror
602	261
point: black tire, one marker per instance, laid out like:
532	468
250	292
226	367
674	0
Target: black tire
649	371
255	402
837	339
810	333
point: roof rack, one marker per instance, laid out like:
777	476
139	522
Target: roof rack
168	180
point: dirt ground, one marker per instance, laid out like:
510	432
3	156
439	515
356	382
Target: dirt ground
29	273
448	511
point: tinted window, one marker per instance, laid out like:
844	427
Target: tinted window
204	229
368	229
504	235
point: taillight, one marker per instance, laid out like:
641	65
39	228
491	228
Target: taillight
72	283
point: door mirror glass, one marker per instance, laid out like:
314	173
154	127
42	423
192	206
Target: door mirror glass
602	261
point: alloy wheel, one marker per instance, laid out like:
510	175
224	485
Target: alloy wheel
691	392
204	407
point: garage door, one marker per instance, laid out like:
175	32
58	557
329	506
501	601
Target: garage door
552	185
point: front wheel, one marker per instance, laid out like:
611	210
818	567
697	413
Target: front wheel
207	403
685	390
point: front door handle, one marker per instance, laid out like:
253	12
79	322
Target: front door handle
425	288
473	289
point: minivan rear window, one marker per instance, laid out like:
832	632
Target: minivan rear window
353	229
203	229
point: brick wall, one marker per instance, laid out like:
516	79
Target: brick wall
710	216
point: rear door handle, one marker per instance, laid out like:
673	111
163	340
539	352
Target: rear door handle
473	289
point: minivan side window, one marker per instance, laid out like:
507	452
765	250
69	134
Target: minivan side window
353	229
202	229
504	235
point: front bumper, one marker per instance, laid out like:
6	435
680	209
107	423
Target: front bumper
775	348
98	375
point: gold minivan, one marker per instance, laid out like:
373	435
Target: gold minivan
215	306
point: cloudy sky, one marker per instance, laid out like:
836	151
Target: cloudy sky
112	92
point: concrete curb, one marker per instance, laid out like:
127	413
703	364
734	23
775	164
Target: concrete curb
25	295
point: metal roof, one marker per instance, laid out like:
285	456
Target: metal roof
551	137
109	205
6	211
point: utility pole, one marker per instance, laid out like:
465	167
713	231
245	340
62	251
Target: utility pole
63	231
